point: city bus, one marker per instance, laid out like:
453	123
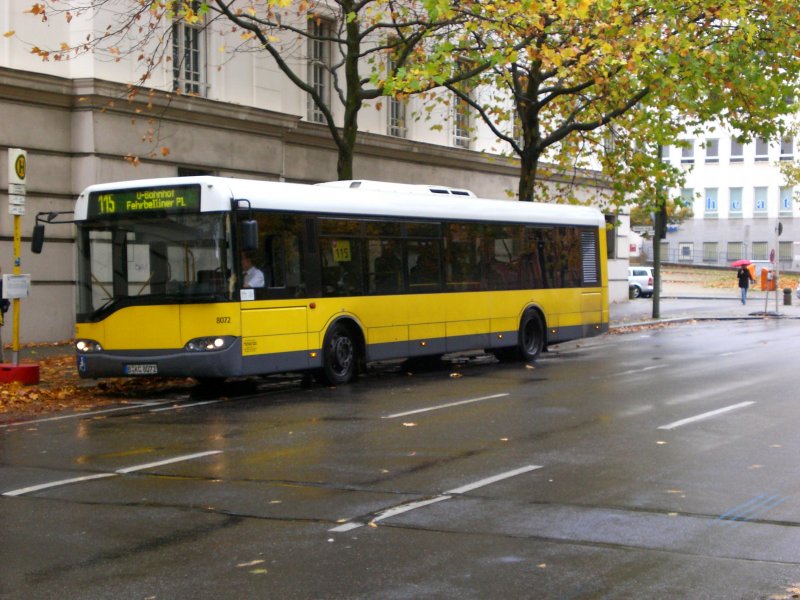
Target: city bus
351	273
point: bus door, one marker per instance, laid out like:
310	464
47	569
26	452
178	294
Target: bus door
275	314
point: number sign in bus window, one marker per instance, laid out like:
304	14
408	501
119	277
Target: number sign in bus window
341	251
180	199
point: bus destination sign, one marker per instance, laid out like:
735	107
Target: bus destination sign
128	202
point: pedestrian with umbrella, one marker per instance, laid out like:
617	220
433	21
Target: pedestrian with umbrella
744	276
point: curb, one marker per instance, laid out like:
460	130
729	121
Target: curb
751	317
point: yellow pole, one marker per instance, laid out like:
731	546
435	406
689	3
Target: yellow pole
17	271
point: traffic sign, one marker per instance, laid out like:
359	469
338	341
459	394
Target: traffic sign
17	165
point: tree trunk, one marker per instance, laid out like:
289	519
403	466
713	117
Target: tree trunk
353	99
344	164
529	162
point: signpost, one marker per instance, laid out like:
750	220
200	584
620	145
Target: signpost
17	286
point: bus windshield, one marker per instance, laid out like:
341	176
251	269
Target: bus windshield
150	259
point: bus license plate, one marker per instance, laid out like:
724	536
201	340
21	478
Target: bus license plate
143	369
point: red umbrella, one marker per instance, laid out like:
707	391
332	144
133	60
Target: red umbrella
741	263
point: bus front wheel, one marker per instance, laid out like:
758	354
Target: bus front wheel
531	336
339	355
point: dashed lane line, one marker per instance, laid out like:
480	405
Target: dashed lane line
706	415
403	508
441	406
118	472
82	415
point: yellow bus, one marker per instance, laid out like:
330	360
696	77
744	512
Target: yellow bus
350	273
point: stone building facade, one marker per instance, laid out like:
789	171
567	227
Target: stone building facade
80	124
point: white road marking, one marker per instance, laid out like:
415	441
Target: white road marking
347	527
44	486
632	371
403	508
489	480
167	461
86	414
399	510
180	406
707	415
118	472
441	406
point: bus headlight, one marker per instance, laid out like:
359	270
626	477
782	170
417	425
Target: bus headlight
208	344
87	346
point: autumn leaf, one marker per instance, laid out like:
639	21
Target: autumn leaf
61	388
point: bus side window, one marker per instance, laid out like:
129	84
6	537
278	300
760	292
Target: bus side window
424	264
385	262
274	262
342	269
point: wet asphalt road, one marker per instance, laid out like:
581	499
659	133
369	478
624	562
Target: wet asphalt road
655	464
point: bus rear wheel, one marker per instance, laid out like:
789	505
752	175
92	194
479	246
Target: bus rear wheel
339	355
531	336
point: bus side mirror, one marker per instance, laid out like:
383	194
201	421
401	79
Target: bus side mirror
249	235
37	239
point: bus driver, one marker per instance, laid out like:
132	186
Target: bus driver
253	276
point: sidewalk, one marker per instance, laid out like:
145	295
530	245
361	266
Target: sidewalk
682	301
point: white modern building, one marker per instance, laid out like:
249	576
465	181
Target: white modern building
739	196
237	115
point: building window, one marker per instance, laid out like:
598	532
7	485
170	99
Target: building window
787	201
735	209
711	202
712	151
396	113
762	150
759	250
687	152
735	251
665	257
710	252
687	197
189	56
397	117
787	148
760	202
785	250
686	251
737	151
319	66
462	123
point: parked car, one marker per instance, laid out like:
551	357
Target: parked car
640	280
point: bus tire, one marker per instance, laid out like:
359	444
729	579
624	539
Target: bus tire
531	336
340	355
